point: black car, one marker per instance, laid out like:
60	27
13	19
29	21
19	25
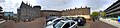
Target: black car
81	21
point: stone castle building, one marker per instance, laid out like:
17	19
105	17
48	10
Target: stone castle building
76	11
45	13
28	12
83	12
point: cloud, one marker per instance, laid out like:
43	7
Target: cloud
9	6
96	5
99	4
12	5
2	1
63	4
56	4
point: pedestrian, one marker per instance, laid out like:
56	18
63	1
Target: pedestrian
97	18
93	18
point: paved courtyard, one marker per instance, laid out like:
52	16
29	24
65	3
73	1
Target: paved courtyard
39	23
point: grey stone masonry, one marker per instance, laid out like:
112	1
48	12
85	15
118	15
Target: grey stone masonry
28	12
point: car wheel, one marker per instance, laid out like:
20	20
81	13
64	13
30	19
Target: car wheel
76	27
81	24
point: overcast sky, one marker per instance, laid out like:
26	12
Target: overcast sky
96	5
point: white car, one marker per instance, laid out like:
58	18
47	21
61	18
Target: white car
54	21
64	24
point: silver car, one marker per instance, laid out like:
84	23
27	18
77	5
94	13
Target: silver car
66	24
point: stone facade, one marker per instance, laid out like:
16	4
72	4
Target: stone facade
76	11
28	12
46	13
82	12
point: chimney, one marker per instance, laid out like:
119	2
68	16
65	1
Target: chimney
31	5
81	6
70	9
75	8
67	9
85	6
27	3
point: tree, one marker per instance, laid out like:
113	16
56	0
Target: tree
103	14
94	14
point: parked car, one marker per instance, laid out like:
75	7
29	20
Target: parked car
50	19
66	24
26	20
50	24
81	21
54	21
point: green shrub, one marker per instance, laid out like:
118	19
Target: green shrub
114	19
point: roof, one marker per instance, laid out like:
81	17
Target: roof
8	12
37	6
23	4
50	11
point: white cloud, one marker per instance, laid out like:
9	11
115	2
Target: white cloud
12	5
96	5
2	1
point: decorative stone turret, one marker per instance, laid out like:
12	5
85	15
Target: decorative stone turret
26	11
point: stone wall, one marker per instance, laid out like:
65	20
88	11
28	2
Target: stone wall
83	12
44	14
28	12
79	11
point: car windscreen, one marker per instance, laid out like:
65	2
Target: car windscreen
59	25
51	19
72	23
57	20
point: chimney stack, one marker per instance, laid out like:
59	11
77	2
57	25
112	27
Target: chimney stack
85	6
27	3
75	8
81	6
